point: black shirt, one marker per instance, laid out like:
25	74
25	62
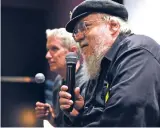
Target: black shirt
131	70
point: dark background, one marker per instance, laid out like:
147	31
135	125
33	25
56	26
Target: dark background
23	25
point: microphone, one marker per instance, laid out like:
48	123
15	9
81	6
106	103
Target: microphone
71	60
39	78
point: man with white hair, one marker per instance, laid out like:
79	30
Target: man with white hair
124	69
59	43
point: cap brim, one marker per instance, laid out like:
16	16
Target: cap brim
71	24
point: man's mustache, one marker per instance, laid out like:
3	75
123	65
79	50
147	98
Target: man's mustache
83	44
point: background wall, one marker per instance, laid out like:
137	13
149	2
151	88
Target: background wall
144	17
23	54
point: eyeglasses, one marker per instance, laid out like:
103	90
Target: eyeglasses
82	27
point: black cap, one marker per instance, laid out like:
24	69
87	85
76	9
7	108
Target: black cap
88	6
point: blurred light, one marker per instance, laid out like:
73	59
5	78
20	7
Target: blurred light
27	117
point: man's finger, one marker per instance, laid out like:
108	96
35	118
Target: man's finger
47	105
41	116
40	104
63	94
41	108
74	112
79	102
41	111
64	107
64	101
77	93
64	88
50	108
46	114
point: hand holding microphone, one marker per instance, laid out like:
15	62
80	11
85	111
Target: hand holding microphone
44	110
70	99
67	105
71	61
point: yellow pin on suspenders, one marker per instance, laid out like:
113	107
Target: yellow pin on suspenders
107	95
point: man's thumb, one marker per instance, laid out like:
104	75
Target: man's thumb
79	101
77	93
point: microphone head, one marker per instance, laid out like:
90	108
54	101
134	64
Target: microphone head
39	78
71	58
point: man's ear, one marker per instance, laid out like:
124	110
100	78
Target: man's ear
73	49
114	26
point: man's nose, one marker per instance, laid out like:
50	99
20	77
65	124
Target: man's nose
79	36
48	55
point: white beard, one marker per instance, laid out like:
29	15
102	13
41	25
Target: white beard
92	63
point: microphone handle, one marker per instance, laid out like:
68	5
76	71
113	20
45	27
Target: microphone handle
70	82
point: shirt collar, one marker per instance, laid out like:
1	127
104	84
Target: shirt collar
113	50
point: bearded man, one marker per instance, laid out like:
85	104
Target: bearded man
124	69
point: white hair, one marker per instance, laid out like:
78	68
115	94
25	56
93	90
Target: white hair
124	27
65	36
